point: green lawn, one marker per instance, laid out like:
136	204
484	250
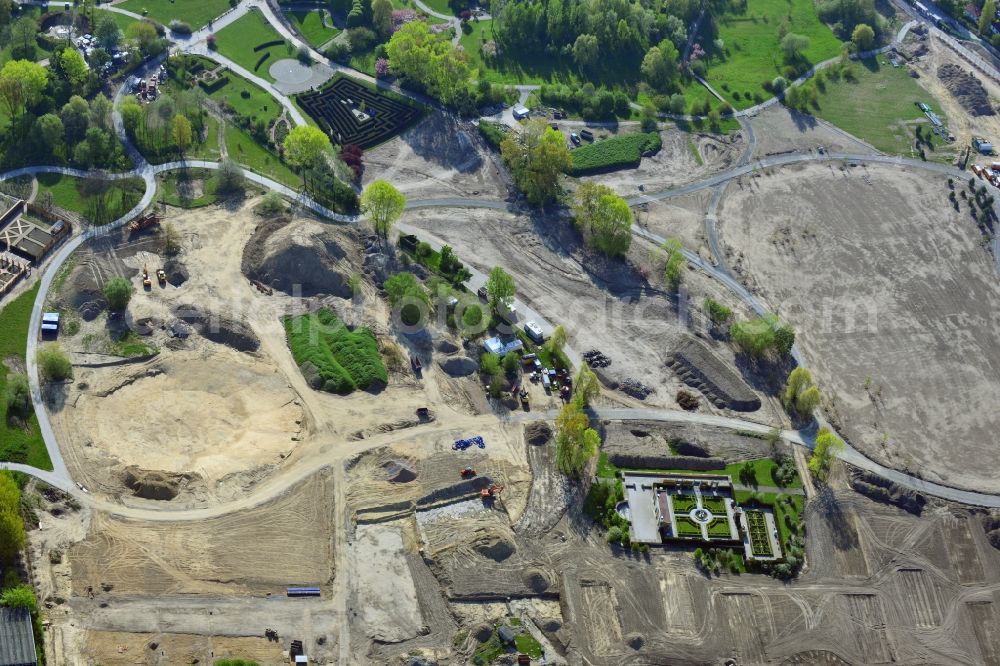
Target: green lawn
683	503
522	69
247	99
16	444
309	23
121	20
237	42
753	51
876	104
243	149
780	509
440	6
719	527
169	194
717	505
527	644
762	472
196	13
686	526
66	193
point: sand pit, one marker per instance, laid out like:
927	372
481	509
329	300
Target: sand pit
208	414
894	299
384	588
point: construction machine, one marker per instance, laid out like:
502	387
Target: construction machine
161	276
491	493
468	473
146	282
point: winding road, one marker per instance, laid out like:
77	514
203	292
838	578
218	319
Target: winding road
60	477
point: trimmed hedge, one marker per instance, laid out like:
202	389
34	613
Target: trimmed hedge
651	461
261	61
217	84
267	45
619	152
332	357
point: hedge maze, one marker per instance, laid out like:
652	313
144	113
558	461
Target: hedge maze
336	108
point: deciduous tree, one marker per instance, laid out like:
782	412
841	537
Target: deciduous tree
576	442
536	156
383	204
304	145
586	387
182	133
74	67
826	448
118	292
864	37
500	290
605	218
673	269
21	83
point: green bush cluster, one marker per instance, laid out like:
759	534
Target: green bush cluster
618	152
600	505
494	133
763	336
332	357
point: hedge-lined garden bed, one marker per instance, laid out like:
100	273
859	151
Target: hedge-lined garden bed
618	152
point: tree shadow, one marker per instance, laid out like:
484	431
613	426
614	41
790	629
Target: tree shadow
441	140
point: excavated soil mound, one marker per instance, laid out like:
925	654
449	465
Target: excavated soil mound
220	328
537	433
300	258
496	548
459	366
482	633
398	472
966	88
536	580
691	449
635	641
446	347
698	367
154	485
177	272
883	490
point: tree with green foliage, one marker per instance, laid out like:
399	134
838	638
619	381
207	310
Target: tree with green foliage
489	365
659	65
118	292
107	32
382	17
792	45
171	238
556	342
383	204
986	18
586	52
21	596
21	84
230	178
536	156
23	36
604	217
826	449
74	67
405	285
143	33
12	535
718	313
52	131
17	396
762	336
864	37
801	395
500	290
182	133
431	61
304	146
673	268
586	387
576	442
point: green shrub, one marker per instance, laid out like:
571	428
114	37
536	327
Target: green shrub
489	364
494	133
212	86
332	357
618	152
21	596
54	363
717	312
473	316
17	396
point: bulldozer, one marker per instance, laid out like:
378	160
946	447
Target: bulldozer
146	282
161	276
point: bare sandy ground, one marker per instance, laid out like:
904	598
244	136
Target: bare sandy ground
894	298
779	129
437	158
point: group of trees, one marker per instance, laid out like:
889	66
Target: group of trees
536	156
431	63
844	17
576	442
604	218
324	175
762	337
597	34
801	396
169	126
12	535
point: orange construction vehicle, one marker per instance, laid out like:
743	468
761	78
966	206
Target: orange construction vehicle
491	493
161	276
145	278
147	220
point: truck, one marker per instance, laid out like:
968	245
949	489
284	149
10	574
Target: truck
534	332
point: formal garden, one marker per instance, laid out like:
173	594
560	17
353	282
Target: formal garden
352	113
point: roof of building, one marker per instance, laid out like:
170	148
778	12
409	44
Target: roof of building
17	639
507	634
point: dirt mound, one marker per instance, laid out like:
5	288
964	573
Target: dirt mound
397	472
300	258
698	367
966	88
635	641
482	633
691	449
883	490
446	346
153	484
537	433
536	580
219	328
496	548
459	366
177	272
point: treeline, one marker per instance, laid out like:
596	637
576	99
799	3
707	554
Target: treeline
844	16
14	592
168	127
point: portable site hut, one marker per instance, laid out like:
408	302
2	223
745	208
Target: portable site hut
50	324
520	112
498	346
534	332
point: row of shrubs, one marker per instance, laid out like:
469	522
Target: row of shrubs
267	45
212	86
261	60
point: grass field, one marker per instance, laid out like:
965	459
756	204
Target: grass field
719	528
248	99
168	189
196	13
333	358
121	20
753	49
237	41
717	505
66	193
523	69
17	444
618	152
243	149
310	25
440	6
780	509
877	104
763	468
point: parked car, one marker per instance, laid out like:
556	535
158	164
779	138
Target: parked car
575	138
481	293
587	134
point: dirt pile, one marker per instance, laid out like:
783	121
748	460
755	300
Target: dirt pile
397	472
537	433
698	367
459	366
153	484
966	88
536	581
220	328
883	490
177	272
496	548
300	258
992	526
